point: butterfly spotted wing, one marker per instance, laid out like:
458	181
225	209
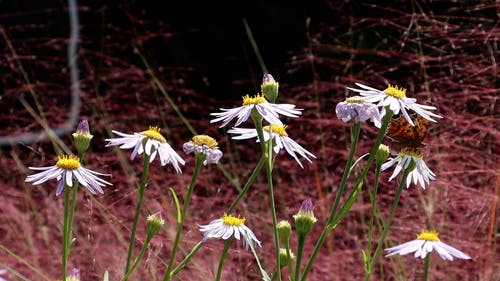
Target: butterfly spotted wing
405	135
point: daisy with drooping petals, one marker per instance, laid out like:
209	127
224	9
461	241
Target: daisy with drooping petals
426	242
396	99
281	139
151	142
420	174
65	170
205	145
229	226
354	108
269	111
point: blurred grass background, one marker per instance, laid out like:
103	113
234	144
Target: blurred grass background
445	53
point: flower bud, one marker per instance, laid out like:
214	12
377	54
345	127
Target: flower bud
154	224
304	219
82	136
269	87
284	230
286	258
74	275
382	153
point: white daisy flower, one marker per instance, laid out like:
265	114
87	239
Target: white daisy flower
269	111
65	170
150	141
206	145
358	110
420	174
281	139
397	101
426	242
228	226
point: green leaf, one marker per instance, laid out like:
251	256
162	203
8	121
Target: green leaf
177	206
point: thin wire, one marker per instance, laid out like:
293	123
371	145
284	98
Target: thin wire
69	125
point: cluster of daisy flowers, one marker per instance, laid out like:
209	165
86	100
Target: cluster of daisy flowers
371	105
270	112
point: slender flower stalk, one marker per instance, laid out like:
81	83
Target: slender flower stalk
373	210
427	260
70	173
247	185
304	221
223	257
332	217
153	226
228	211
187	258
150	142
140	195
269	172
380	244
200	158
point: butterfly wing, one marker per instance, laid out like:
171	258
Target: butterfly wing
405	135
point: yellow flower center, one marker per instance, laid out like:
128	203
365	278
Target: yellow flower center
153	133
395	91
413	152
205	140
281	130
259	98
355	99
428	235
230	220
68	162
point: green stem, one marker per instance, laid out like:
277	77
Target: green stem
354	144
223	258
187	258
426	267
290	266
247	185
373	198
269	169
228	211
326	230
65	230
140	195
138	258
69	211
180	223
300	249
380	244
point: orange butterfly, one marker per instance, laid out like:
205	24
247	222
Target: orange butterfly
404	135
